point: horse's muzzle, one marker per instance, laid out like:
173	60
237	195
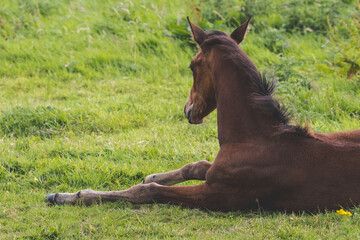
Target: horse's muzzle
192	119
188	113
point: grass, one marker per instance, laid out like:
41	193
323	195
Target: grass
92	96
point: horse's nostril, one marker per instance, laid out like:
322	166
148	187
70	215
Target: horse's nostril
188	114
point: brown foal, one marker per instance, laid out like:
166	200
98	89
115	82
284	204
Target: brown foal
263	160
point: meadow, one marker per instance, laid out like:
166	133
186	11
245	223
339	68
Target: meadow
92	96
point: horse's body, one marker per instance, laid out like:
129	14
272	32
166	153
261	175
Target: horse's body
263	161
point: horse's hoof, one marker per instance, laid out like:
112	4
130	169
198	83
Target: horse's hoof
51	198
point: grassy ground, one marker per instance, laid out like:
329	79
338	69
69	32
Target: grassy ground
92	94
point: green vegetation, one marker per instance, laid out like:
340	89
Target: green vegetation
92	95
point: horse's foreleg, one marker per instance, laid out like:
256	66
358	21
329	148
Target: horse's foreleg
200	196
140	193
191	171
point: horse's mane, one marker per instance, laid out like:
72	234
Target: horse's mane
262	98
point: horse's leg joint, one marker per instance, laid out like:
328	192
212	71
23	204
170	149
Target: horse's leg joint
150	178
195	170
190	171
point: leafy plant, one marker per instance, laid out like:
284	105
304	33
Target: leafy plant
346	38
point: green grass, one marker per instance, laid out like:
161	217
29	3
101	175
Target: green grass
92	96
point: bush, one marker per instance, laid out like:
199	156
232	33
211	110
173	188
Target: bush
346	40
290	16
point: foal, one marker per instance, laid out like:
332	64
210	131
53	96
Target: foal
263	160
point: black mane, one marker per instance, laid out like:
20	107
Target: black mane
263	98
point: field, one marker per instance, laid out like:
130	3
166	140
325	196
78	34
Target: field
92	96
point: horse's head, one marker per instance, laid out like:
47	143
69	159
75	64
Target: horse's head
202	99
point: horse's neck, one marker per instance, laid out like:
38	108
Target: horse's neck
238	120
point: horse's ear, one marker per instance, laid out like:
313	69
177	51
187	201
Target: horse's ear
198	34
239	34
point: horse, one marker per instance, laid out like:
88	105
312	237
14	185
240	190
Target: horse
263	162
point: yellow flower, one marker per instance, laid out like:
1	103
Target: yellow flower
344	213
